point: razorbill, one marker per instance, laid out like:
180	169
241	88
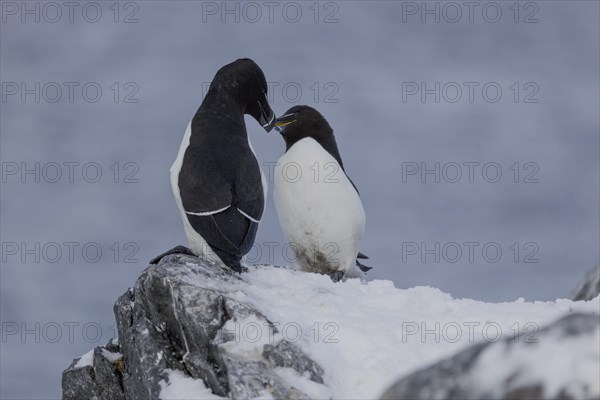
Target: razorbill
218	185
318	206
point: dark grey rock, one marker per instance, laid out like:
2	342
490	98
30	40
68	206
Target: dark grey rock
454	378
175	318
103	380
251	379
108	372
79	383
589	287
145	364
286	354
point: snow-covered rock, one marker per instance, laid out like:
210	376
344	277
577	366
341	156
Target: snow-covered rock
589	287
190	329
563	362
96	375
179	333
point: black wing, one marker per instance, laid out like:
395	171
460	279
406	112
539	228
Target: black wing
209	182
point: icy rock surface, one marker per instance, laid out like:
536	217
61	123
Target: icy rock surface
97	375
561	362
189	329
589	287
180	317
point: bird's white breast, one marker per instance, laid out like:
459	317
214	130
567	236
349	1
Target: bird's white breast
319	210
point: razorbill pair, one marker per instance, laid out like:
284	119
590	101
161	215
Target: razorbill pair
220	189
319	207
218	185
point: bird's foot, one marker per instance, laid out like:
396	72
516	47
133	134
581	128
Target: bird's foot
337	276
175	250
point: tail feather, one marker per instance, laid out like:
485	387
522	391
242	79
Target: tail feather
232	261
175	250
363	267
362	256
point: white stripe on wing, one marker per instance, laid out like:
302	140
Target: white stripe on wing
204	214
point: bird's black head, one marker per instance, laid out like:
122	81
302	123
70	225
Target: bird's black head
244	80
300	122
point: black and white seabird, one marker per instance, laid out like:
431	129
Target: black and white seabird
319	207
216	179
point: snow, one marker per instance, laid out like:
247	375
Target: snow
110	356
558	366
85	360
251	334
366	335
182	387
303	383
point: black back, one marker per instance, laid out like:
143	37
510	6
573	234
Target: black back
219	169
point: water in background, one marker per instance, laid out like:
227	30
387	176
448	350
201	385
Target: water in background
363	65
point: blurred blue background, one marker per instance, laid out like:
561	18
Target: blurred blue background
354	61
